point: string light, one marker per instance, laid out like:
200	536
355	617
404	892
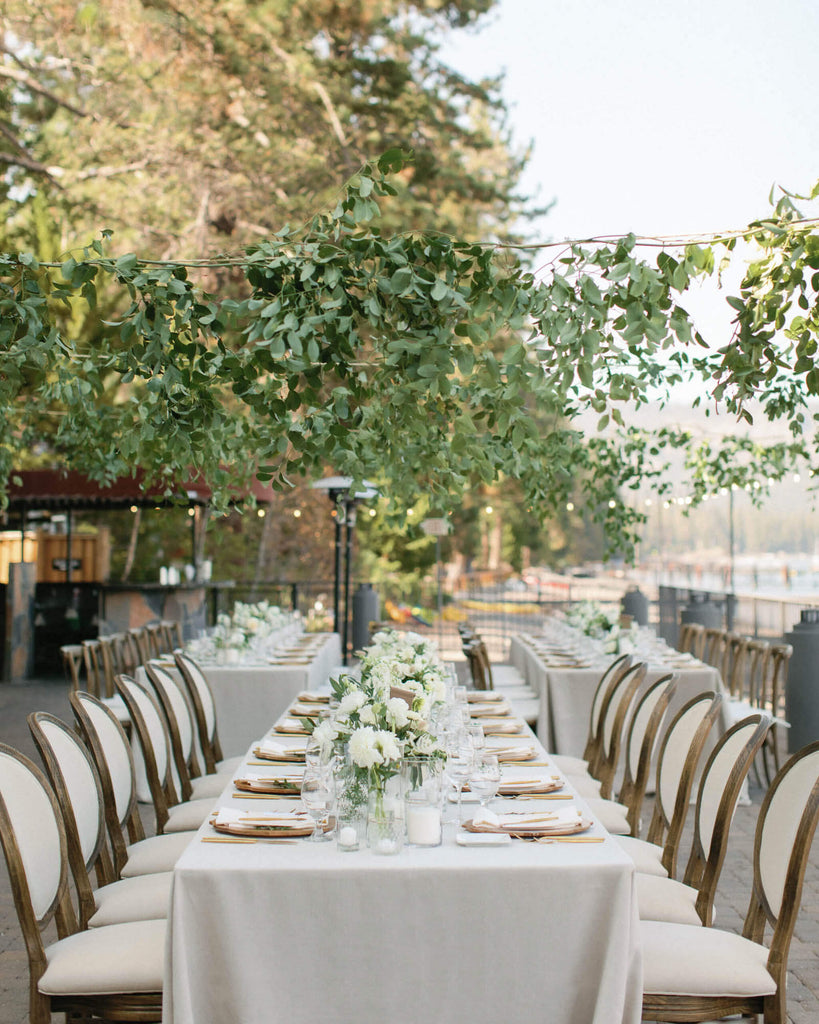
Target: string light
570	506
297	513
260	512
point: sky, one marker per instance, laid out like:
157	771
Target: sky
651	116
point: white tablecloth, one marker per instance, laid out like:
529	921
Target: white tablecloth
302	934
249	697
566	696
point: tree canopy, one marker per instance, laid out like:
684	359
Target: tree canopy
369	350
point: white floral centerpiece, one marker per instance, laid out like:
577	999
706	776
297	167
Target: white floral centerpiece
247	626
383	716
593	621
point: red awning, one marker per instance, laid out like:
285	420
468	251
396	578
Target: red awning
60	488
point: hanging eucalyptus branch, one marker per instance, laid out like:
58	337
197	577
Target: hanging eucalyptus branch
416	360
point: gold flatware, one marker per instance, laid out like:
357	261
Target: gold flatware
248	839
537	796
241	794
570	839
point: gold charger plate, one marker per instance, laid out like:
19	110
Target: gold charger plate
298	758
264	831
279	786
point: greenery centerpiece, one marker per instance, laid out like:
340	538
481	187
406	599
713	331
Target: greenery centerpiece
593	621
383	715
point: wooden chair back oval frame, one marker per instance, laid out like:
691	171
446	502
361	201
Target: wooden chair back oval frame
776	674
98	858
94	671
119	824
713	646
608	681
667	1007
158	762
705	865
199	692
145	1007
632	793
187	766
691	639
73	663
666	829
616	705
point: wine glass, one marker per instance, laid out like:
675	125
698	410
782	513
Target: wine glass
460	756
317	795
485	778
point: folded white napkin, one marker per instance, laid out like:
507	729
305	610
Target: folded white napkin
283	774
521	752
268	746
563	817
230	816
305	710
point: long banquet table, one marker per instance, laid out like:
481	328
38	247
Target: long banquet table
300	933
566	692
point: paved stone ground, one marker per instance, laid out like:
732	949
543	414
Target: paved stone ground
732	898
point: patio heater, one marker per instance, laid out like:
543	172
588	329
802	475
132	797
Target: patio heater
344	505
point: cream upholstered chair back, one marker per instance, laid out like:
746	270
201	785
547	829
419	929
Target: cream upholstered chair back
724	772
641	738
180	726
608	680
680	752
77	787
154	743
31	835
203	708
70	768
105	738
650	708
616	706
112	744
787	820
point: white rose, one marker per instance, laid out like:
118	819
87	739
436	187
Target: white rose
367	715
388	745
362	747
398	712
351	701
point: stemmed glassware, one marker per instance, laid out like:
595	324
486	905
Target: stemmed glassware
460	756
318	796
485	778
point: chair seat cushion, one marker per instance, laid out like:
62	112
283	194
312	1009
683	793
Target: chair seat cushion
570	765
665	899
647	857
585	785
159	853
104	961
507	675
188	816
208	786
610	813
526	708
686	960
142	898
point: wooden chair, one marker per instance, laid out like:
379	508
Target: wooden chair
691	901
111	667
713	647
772	699
204	711
140	646
171	635
113	973
734	668
691	639
478	677
172	814
579	766
701	974
623	816
192	784
677	762
94	672
76	785
104	736
73	664
155	640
